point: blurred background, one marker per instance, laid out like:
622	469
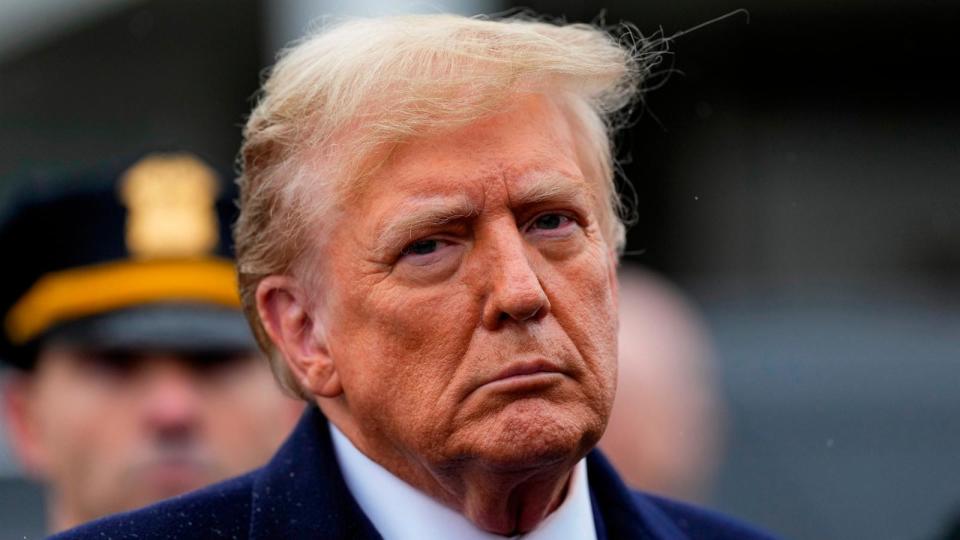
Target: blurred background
798	177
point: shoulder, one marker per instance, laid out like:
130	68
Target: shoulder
625	513
218	511
701	523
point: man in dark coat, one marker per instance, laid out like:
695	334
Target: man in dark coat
301	495
427	250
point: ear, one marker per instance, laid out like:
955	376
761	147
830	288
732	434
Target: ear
23	428
286	314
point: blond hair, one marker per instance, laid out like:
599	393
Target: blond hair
336	99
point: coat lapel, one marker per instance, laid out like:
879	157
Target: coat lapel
301	495
620	513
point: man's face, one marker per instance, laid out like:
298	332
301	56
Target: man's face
469	302
112	431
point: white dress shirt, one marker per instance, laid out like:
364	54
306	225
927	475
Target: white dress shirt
401	512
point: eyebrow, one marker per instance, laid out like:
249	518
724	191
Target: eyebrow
422	213
540	187
406	220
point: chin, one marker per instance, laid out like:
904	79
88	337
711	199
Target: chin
532	434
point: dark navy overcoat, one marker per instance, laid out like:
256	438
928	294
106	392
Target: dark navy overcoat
300	494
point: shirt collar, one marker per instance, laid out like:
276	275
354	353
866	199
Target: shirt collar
401	512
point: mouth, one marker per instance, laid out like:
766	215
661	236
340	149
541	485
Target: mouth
175	478
525	376
173	474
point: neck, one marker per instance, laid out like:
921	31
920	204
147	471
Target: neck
497	499
510	503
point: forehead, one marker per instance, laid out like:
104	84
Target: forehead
529	144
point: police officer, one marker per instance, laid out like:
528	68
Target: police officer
137	377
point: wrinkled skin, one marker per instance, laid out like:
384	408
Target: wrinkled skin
464	332
109	432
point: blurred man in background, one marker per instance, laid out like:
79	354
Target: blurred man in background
665	431
137	377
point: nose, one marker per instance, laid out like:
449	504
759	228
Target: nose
516	293
171	404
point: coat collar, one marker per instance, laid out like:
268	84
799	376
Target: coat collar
301	495
618	512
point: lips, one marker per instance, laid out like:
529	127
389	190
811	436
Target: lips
521	369
526	371
521	376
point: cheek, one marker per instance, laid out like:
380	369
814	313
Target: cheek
244	423
405	342
584	303
83	430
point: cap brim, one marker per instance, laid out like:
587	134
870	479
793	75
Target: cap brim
167	327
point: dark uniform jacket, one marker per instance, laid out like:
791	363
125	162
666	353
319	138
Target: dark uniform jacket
300	494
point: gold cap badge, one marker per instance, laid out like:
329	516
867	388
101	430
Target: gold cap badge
171	212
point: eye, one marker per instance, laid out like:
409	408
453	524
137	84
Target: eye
110	364
551	224
429	259
550	221
215	363
421	247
